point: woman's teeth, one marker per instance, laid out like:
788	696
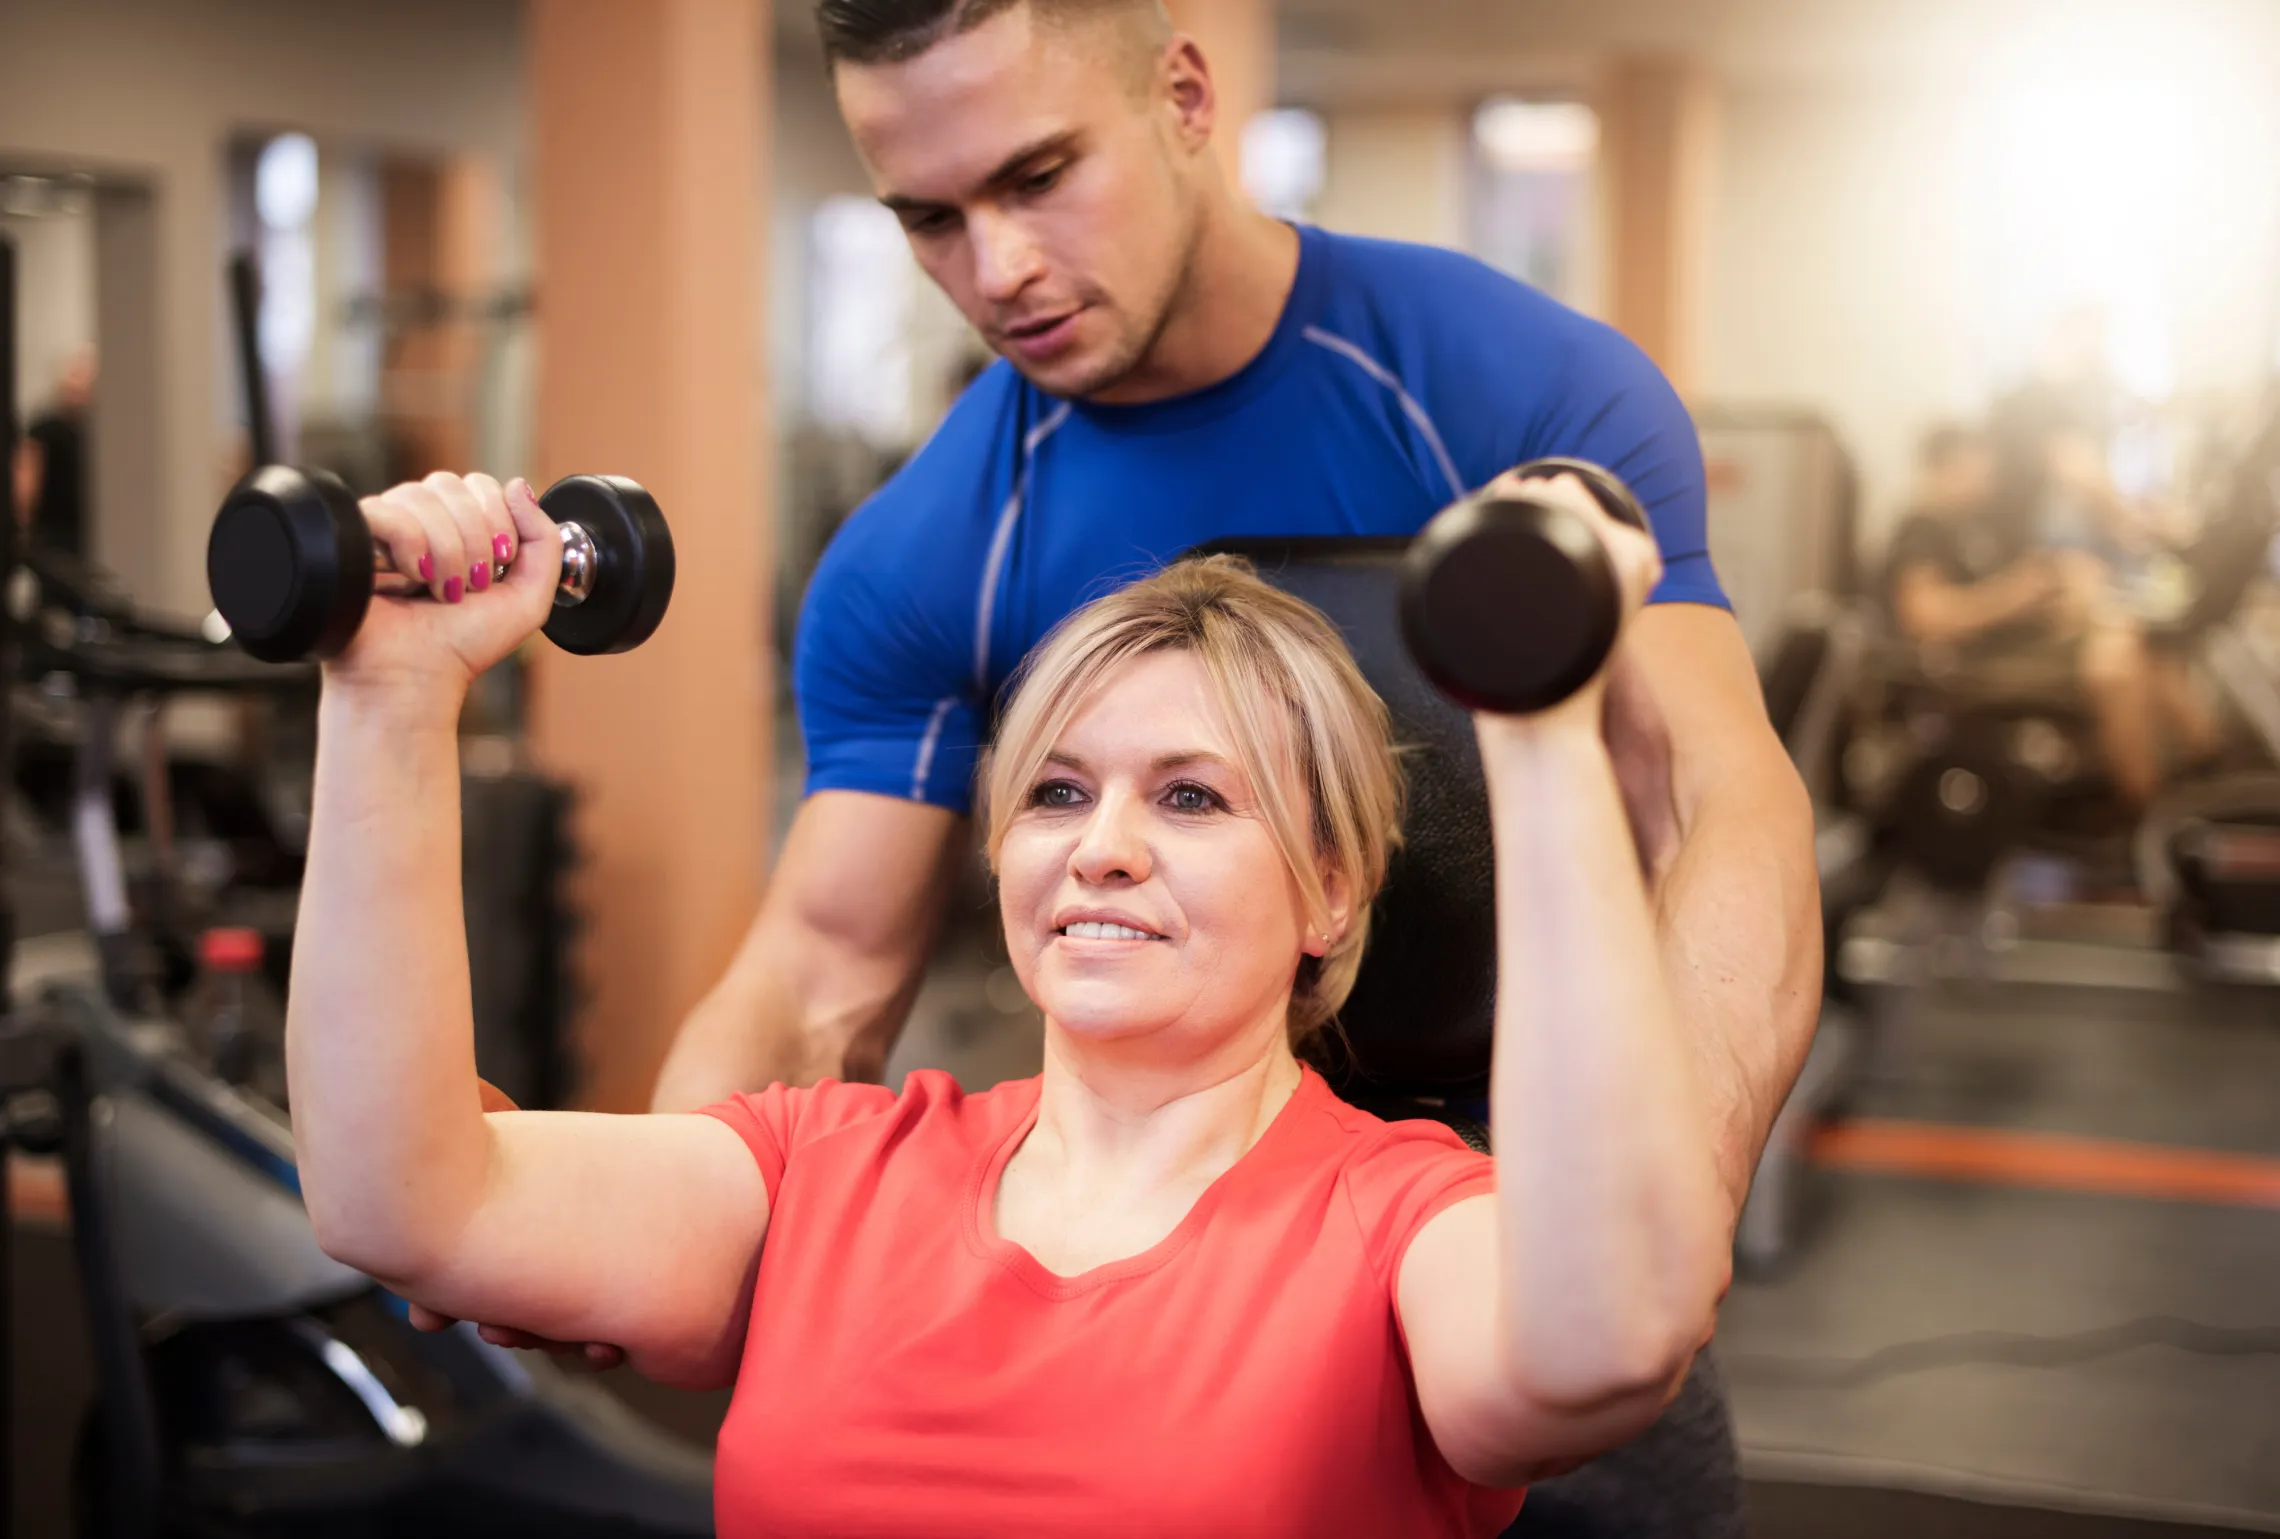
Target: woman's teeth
1090	930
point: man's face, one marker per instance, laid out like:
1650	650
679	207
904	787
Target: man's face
1040	188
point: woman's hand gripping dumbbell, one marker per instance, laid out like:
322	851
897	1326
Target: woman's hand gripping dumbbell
1512	600
295	561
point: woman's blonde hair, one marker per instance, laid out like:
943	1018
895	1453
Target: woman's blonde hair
1311	735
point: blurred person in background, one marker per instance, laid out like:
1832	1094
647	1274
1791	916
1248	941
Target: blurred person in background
2057	439
2010	614
51	462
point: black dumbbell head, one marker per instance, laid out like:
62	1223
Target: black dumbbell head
1606	487
634	559
289	563
1508	604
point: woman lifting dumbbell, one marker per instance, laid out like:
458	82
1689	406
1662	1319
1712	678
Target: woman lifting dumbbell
1170	1285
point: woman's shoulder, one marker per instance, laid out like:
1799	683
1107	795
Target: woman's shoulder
1395	1175
783	1120
1353	1128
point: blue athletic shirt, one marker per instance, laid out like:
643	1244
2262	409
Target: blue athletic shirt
1399	379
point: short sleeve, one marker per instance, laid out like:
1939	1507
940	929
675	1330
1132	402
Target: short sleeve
780	1120
1406	1178
1616	409
1505	374
882	706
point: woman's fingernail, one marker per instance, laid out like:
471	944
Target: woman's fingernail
479	576
453	590
427	569
503	548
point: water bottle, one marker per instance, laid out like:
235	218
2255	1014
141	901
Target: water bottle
229	959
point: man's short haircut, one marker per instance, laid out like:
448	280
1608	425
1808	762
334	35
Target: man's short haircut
1949	439
892	31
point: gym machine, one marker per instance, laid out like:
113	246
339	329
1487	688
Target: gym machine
247	1383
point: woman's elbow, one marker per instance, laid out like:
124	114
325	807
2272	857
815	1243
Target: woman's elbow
388	1248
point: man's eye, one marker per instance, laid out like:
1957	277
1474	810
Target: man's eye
938	223
1038	182
1055	793
1187	796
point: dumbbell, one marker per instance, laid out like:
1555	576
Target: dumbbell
292	564
1508	601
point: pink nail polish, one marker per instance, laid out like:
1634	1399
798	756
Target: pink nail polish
503	548
453	590
427	569
479	576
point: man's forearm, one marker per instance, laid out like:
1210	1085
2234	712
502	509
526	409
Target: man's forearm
791	1009
1739	922
743	1036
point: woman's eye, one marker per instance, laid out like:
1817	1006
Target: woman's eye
1055	793
1189	797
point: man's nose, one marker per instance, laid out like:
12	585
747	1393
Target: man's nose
1005	258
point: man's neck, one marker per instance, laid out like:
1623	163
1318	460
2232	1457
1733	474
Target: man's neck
1244	268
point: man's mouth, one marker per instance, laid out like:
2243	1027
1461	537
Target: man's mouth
1024	330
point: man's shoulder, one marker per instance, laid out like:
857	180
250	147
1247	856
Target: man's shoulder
942	504
958	468
1406	286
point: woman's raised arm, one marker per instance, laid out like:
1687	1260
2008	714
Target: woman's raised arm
1556	1318
641	1231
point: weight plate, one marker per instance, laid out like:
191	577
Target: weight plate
1606	487
1508	604
289	563
633	578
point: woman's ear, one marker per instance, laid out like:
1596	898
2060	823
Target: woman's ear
1338	916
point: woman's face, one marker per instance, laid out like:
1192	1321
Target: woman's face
1143	893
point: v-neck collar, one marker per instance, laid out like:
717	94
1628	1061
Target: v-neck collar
989	1174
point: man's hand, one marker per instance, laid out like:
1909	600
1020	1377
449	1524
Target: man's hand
596	1353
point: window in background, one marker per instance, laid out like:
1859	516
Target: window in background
285	201
1285	160
862	285
2086	213
1531	194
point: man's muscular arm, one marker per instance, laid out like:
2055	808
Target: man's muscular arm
820	987
1726	829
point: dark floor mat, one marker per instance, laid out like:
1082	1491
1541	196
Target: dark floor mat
2051	1349
1784	1511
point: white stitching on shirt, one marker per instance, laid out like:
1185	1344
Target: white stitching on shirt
926	747
1409	403
1001	539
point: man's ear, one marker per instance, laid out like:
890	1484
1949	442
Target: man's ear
1184	79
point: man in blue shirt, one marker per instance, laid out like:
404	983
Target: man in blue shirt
1176	368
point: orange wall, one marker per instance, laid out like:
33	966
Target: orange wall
1657	148
649	172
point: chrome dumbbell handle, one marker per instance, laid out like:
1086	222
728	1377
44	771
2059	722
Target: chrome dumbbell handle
580	564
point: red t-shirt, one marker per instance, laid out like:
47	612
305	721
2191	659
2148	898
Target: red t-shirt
908	1372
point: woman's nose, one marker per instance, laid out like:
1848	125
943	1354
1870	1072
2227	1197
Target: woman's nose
1113	846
